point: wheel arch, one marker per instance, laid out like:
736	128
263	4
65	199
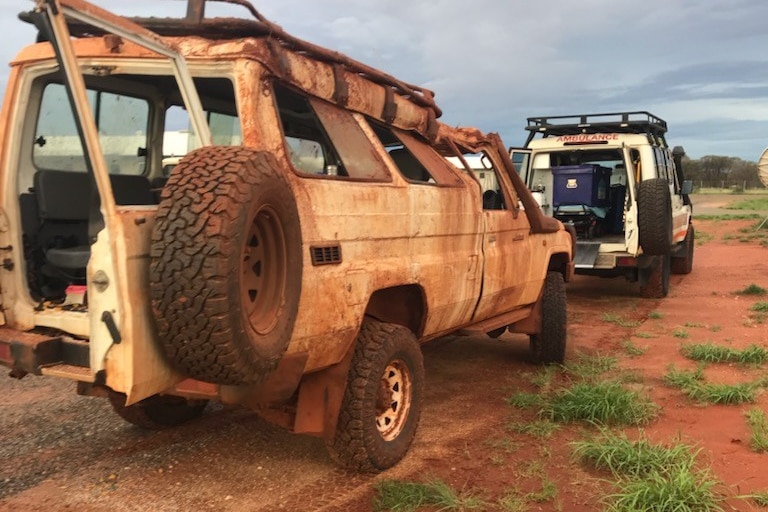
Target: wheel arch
403	305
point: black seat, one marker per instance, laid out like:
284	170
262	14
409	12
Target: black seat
64	206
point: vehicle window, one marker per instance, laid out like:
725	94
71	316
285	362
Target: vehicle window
486	173
179	137
122	122
323	140
417	161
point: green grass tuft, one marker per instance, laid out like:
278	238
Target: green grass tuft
679	488
523	400
752	289
601	402
613	318
399	496
693	385
633	350
760	498
590	367
680	333
625	458
760	307
538	428
656	315
759	425
710	353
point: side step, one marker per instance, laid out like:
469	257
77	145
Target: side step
29	352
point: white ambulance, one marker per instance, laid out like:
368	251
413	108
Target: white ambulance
614	179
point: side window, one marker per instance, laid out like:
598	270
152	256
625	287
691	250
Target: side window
486	173
122	122
417	161
323	140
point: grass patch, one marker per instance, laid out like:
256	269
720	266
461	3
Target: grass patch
645	335
760	498
693	324
601	402
702	237
651	477
395	495
548	492
537	428
590	367
758	424
511	501
752	289
679	488
710	353
543	378
633	350
613	318
523	400
617	454
760	307
729	216
680	333
753	203
693	385
656	315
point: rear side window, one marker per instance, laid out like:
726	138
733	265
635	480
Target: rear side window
417	161
325	141
122	122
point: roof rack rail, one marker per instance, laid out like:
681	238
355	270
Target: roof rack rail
639	122
197	24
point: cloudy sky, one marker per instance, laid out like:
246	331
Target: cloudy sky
700	64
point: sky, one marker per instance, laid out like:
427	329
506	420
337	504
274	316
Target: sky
702	65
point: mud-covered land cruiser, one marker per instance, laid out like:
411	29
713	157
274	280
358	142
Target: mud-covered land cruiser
292	261
614	179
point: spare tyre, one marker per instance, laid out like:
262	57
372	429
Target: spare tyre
225	265
654	216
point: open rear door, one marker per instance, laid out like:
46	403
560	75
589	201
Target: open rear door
120	338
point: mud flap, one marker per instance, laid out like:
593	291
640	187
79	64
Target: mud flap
320	397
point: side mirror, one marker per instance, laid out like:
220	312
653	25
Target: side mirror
687	187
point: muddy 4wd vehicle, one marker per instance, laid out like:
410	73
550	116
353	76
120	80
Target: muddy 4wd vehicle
613	178
295	258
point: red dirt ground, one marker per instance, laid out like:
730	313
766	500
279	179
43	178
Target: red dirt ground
63	452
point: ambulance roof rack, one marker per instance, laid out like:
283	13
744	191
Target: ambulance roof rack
638	122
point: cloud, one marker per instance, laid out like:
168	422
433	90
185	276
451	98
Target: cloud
492	64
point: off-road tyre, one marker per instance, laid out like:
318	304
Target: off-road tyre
157	412
383	399
225	267
684	264
654	279
654	216
548	346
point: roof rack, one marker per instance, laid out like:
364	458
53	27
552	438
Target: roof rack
639	122
197	24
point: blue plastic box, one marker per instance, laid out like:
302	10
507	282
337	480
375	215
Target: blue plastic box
586	185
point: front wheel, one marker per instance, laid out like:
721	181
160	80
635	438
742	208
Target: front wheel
548	346
157	412
383	399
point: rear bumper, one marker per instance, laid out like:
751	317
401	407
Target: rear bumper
28	352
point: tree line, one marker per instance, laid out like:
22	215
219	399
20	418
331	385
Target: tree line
721	172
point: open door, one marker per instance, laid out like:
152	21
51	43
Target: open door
120	334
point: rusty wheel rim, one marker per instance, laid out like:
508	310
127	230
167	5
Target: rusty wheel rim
393	401
263	270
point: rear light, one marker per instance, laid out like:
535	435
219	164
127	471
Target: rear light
626	261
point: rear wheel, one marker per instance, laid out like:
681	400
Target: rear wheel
684	264
157	412
549	345
654	279
654	216
383	399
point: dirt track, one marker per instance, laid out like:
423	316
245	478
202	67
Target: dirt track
64	452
